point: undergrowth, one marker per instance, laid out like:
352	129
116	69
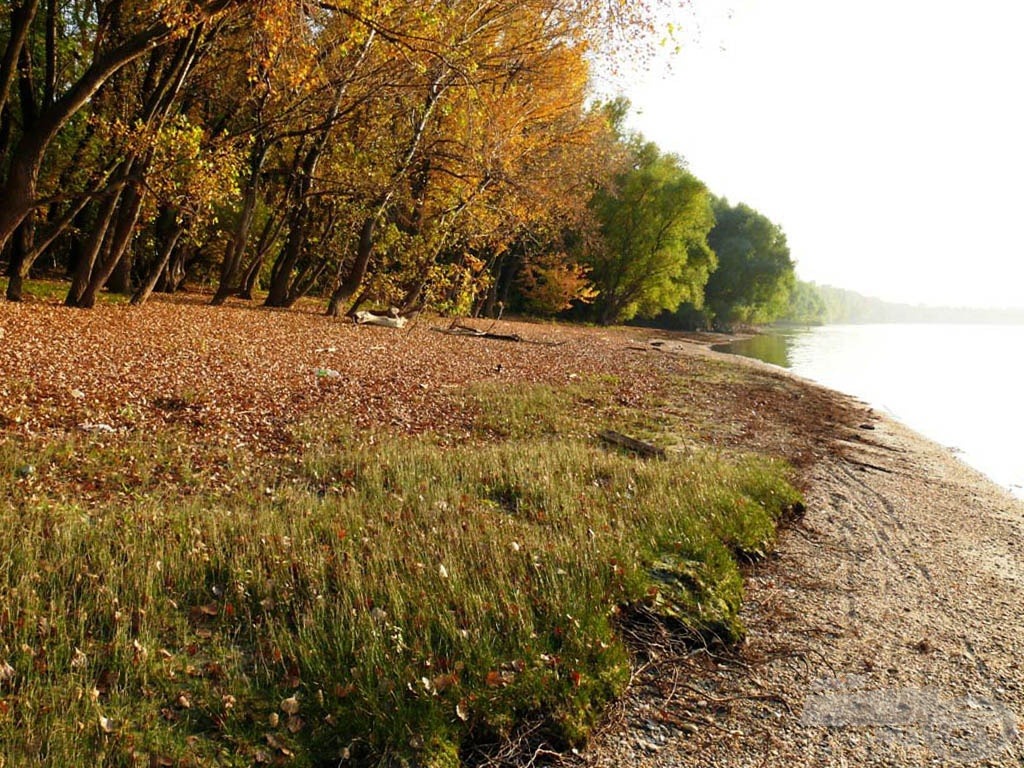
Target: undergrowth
367	600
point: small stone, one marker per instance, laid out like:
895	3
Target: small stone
646	745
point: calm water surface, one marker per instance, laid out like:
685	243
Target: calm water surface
961	386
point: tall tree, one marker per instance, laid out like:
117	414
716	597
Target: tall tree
374	142
755	272
110	35
654	221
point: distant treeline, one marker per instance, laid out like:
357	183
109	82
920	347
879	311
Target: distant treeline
813	304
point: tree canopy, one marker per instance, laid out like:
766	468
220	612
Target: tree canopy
402	154
755	272
654	220
383	151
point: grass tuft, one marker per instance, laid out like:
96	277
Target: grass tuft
373	598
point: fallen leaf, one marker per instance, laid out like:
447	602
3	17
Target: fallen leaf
290	705
109	725
442	682
274	743
79	660
210	609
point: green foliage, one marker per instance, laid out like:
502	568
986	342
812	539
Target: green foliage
806	305
654	254
755	274
375	598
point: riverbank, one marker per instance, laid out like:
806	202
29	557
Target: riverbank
235	536
885	630
252	515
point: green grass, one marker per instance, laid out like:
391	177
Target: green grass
369	596
55	291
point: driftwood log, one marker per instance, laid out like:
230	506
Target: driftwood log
387	321
638	447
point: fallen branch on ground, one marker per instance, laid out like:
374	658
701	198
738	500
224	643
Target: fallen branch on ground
638	447
867	465
458	329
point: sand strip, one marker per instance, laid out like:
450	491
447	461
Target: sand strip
887	629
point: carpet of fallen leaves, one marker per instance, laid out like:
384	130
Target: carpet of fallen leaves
244	374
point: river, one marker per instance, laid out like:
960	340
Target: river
960	385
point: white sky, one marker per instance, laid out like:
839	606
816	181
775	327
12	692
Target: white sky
886	137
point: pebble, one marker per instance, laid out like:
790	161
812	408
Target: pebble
647	745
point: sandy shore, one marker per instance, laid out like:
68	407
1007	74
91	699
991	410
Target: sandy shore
886	630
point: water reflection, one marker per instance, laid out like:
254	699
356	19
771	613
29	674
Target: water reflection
772	348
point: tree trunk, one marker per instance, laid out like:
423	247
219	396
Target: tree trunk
413	299
144	291
120	239
121	278
235	252
18	189
501	288
173	277
608	314
20	23
18	192
347	288
249	279
281	274
17	268
76	250
358	302
271	229
89	254
18	195
228	271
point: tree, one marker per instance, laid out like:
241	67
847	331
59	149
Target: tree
108	36
654	252
552	283
755	273
361	148
806	305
